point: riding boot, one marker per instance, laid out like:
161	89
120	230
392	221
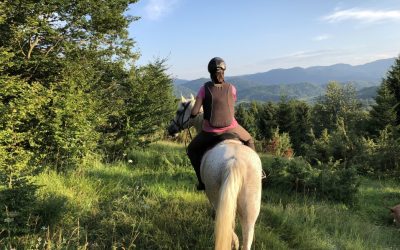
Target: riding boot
250	143
195	159
199	186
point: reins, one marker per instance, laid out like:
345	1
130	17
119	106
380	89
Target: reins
181	125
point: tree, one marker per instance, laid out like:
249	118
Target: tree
267	123
67	78
20	109
285	115
150	103
143	104
393	84
300	132
383	113
339	102
43	33
77	51
73	117
247	117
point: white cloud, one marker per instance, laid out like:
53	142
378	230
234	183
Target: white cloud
156	9
363	15
322	37
311	53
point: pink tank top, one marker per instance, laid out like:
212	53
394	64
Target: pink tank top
206	125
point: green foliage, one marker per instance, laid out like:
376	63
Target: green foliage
279	145
81	57
291	116
266	121
20	110
144	104
393	84
386	111
328	181
383	113
338	183
285	115
339	102
299	133
337	146
74	52
381	156
40	31
247	115
294	117
150	102
73	116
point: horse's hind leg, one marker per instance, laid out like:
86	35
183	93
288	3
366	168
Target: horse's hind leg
235	241
248	234
248	215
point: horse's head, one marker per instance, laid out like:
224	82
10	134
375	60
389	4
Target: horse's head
182	117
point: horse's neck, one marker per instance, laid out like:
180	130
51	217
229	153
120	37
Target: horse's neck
197	122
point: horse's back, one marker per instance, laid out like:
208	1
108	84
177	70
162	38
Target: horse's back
228	150
229	154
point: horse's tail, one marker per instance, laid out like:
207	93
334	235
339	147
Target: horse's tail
226	211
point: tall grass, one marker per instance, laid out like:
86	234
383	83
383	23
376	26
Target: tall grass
147	200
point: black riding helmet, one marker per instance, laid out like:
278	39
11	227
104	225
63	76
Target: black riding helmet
216	64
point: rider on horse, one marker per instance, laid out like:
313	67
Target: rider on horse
218	99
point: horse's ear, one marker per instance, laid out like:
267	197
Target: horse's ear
191	96
183	99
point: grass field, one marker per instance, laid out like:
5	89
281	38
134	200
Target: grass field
147	200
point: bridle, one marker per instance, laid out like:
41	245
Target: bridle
180	116
181	125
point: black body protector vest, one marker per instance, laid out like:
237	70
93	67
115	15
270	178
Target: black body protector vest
218	104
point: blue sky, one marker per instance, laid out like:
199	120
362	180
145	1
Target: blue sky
260	35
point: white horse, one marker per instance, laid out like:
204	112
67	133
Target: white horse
232	175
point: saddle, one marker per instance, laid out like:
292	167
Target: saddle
222	137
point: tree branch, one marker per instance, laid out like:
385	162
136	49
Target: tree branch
32	45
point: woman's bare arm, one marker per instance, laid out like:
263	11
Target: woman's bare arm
197	105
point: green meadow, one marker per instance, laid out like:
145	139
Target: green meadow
147	200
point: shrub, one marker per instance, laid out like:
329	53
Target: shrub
280	145
20	110
327	180
339	145
381	155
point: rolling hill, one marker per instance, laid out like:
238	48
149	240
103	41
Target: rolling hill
299	83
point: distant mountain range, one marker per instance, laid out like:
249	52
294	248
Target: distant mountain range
299	83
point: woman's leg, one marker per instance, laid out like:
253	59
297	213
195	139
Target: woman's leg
195	152
243	136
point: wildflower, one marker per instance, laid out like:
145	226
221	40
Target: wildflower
8	220
130	161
